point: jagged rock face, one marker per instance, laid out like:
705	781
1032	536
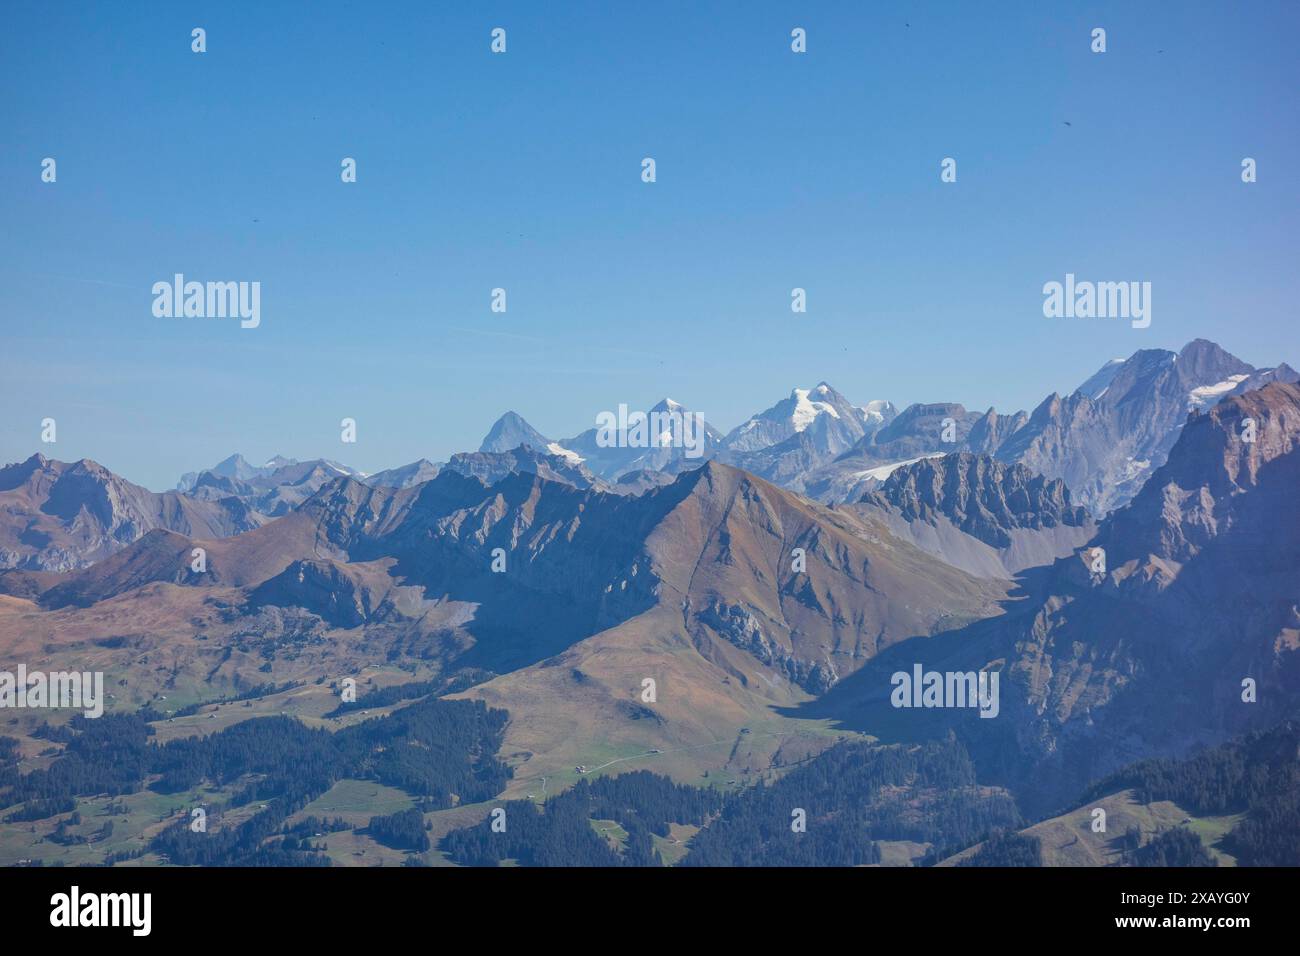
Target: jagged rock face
1200	589
978	514
919	431
57	516
1192	498
1106	447
983	497
737	625
493	467
786	462
1104	439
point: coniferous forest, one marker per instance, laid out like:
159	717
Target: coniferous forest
835	809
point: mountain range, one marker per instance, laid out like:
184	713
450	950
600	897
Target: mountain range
637	607
1103	440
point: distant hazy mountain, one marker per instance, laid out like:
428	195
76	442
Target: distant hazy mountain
801	434
405	476
1106	444
274	489
237	467
1104	439
920	431
58	516
509	432
664	451
825	413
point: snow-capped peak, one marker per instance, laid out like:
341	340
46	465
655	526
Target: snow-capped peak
806	409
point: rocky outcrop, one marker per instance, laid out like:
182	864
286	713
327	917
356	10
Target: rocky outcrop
60	516
1182	630
981	515
986	499
739	626
1106	447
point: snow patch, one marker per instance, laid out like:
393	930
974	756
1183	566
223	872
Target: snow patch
884	471
572	457
1209	394
806	410
874	411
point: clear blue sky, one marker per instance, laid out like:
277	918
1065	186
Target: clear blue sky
775	170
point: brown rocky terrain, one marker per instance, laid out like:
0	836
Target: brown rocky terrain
58	516
1200	592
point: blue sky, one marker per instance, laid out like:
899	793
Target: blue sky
522	171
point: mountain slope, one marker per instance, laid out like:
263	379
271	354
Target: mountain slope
695	584
952	506
1105	447
1200	591
56	516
